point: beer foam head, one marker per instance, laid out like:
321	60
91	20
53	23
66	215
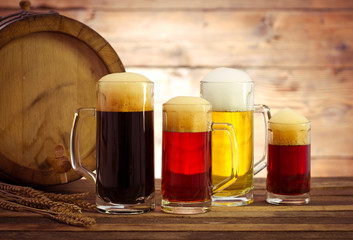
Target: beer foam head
289	128
228	89
125	92
187	114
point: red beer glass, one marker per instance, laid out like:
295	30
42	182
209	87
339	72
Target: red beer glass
186	155
288	169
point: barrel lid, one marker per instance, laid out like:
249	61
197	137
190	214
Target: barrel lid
49	67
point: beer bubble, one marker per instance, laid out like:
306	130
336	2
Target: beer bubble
289	128
228	89
125	92
187	114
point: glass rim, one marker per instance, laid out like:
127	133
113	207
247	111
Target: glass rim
290	124
127	81
241	82
188	104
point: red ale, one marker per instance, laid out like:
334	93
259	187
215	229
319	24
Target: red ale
186	176
288	170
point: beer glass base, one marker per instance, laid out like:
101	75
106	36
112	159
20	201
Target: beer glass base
185	208
278	199
113	208
231	201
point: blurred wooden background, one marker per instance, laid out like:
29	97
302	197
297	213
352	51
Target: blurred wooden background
298	52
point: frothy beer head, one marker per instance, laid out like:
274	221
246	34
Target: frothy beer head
187	114
228	90
290	128
125	92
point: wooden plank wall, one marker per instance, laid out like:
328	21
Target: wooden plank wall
299	54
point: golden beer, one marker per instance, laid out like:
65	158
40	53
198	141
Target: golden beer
221	154
231	93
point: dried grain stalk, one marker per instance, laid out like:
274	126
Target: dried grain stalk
64	208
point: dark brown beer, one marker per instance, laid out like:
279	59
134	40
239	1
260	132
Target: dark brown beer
125	156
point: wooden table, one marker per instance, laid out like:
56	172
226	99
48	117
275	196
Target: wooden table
328	216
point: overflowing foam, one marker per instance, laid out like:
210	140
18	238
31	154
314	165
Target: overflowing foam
187	114
125	92
228	90
289	128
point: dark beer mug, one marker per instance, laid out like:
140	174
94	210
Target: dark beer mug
125	144
186	156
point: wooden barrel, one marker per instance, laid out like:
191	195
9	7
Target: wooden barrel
49	68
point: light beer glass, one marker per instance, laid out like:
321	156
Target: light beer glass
125	144
231	93
186	155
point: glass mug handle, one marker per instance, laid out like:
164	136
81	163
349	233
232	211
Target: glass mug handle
234	156
266	115
76	163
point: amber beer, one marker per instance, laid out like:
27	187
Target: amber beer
288	170
186	155
186	174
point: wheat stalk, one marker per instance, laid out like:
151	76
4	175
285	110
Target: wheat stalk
31	192
40	202
9	205
66	197
73	219
60	207
64	217
22	191
85	205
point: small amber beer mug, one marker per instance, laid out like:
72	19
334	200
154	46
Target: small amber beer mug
186	155
125	144
231	93
288	169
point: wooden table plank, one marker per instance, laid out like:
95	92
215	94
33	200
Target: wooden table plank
178	235
328	216
182	227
